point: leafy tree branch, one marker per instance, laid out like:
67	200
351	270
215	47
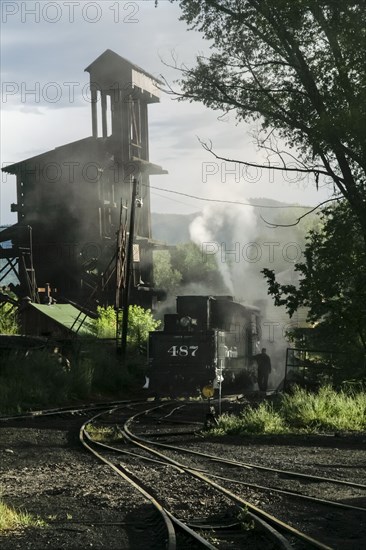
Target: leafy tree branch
299	66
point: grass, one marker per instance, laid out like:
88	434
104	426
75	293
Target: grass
301	412
326	410
261	420
38	380
35	379
104	434
12	519
246	523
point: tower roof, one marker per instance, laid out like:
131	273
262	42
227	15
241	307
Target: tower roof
111	69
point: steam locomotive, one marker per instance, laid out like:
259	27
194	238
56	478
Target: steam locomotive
208	341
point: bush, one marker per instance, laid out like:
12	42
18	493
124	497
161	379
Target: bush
38	378
8	319
300	412
140	323
105	326
261	420
326	410
81	379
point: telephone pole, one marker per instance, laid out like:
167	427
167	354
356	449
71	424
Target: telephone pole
129	267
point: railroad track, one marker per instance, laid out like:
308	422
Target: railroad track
173	532
208	499
78	410
133	431
81	504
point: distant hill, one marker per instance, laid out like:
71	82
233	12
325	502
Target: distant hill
174	228
171	228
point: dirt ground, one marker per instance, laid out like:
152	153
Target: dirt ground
45	471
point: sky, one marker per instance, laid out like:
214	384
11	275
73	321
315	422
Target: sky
46	45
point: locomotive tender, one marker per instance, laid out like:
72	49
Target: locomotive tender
209	340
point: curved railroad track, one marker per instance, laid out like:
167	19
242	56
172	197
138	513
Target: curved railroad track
133	431
264	532
193	491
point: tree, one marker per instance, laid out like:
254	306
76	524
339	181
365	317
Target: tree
300	67
332	281
196	266
186	264
140	323
165	276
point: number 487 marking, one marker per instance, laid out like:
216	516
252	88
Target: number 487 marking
183	351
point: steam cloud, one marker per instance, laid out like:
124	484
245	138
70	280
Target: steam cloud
227	227
230	228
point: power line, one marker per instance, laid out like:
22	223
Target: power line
170	199
206	199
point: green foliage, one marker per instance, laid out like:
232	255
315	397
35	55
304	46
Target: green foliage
12	519
39	379
194	264
82	378
8	319
140	323
105	326
261	420
298	67
272	253
332	284
165	276
104	434
299	412
183	265
313	369
99	371
326	410
245	520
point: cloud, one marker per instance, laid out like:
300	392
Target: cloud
50	55
31	110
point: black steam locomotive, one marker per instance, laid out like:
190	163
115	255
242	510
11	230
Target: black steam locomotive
208	341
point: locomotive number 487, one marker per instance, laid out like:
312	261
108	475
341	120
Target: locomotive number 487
183	351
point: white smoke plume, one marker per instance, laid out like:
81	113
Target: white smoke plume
233	234
223	230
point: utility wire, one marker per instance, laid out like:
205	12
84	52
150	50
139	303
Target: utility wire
170	199
234	202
